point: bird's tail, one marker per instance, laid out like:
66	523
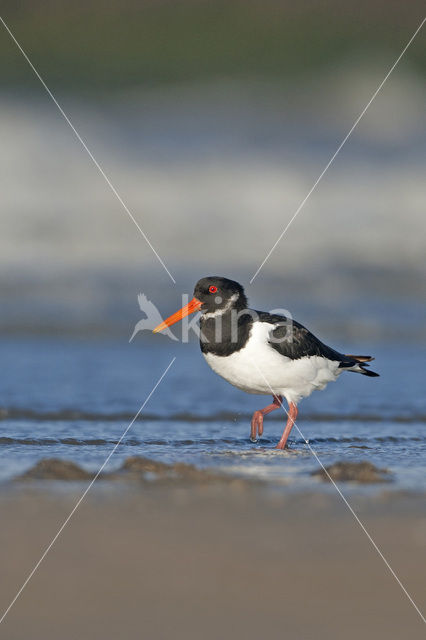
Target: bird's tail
358	364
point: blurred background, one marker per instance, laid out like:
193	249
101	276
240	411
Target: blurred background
213	120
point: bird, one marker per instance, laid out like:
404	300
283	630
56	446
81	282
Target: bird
262	353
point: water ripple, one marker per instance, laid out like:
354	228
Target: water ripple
7	441
68	415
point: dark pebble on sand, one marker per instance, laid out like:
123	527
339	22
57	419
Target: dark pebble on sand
55	469
361	472
133	468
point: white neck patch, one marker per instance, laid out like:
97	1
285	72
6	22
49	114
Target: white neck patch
220	312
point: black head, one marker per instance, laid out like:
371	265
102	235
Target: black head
213	295
216	294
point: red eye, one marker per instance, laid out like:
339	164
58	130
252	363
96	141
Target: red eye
212	289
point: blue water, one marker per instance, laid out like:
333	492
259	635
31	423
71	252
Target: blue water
73	398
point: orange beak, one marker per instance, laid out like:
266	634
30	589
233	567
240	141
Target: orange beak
191	307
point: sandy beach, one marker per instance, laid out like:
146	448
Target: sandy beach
193	559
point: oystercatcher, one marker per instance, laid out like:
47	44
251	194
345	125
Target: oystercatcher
260	352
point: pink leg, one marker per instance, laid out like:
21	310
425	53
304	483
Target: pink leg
292	415
257	419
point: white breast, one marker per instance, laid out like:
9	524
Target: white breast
258	368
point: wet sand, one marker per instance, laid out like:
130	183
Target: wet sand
208	560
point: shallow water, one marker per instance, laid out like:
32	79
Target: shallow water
74	398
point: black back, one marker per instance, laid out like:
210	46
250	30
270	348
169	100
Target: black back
294	341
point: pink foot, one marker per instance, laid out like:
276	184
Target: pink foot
257	419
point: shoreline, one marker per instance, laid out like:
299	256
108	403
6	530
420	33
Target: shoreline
357	480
